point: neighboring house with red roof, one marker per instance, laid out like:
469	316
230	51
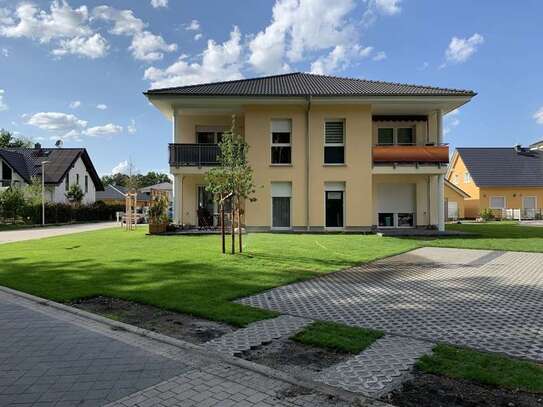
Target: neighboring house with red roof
64	167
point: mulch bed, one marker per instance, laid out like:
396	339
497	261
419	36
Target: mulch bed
294	358
427	390
186	327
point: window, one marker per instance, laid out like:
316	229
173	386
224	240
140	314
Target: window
67	182
281	148
467	178
385	136
389	136
334	142
497	202
281	193
86	183
405	136
77	179
386	220
209	134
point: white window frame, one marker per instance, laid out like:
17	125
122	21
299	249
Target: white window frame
529	196
497	196
342	120
395	134
272	144
271	206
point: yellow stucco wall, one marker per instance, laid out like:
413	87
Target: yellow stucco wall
472	207
453	196
513	196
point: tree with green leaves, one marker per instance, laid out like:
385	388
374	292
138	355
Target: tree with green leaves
232	179
75	194
12	201
8	140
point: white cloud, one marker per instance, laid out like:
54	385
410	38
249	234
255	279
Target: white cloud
5	52
92	47
131	128
538	116
75	104
121	168
198	36
301	28
3	105
101	106
380	56
389	7
150	47
339	58
65	126
145	45
194	25
109	129
159	3
461	49
219	62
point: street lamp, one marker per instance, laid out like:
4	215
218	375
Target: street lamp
43	192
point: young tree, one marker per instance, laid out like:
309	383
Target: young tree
233	178
75	194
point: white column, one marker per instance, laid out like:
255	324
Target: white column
441	202
174	125
178	199
439	118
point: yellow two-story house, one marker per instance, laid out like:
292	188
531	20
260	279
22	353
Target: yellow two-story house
328	153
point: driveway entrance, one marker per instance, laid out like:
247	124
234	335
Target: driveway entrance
478	298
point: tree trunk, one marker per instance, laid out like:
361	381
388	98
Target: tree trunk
223	237
232	226
239	227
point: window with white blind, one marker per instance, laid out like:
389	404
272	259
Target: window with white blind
334	142
497	202
281	141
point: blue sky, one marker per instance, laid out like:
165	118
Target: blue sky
76	70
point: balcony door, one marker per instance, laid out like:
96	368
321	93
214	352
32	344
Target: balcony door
396	205
281	205
207	207
209	134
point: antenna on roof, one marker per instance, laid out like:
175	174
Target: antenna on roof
59	143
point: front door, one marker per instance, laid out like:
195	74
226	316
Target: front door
334	209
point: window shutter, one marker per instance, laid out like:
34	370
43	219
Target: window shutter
281	126
333	132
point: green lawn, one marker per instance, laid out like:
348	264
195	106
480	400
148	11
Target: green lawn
338	337
484	368
181	273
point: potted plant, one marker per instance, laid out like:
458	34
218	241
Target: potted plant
158	214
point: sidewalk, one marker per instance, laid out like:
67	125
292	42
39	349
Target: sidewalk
9	236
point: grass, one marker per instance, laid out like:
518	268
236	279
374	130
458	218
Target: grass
492	236
483	368
337	337
181	273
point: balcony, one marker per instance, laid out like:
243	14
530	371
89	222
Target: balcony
194	155
411	154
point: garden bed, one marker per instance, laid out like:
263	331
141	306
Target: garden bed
428	390
185	327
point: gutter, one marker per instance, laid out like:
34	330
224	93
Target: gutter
307	150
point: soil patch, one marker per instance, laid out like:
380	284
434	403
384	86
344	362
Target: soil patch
186	327
294	358
427	390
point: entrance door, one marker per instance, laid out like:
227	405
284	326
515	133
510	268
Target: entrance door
206	207
334	209
452	210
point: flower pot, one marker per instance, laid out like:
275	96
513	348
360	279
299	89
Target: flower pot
155	228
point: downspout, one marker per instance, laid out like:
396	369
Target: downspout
307	167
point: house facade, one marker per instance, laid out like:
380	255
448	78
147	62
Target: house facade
328	153
64	167
508	180
454	201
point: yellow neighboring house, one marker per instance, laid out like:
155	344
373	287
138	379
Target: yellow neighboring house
509	180
454	201
328	153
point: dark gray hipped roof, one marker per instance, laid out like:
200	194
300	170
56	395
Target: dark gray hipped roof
27	163
503	167
304	84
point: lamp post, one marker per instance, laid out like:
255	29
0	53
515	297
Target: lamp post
43	192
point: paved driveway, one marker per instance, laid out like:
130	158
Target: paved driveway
483	299
9	236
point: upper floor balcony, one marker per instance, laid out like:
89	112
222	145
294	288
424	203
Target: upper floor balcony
194	155
410	158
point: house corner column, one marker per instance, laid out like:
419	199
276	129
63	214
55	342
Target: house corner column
178	199
441	202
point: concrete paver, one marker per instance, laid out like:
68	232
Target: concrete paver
9	236
483	299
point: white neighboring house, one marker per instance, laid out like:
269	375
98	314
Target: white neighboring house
65	167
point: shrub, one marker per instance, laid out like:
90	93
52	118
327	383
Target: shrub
12	200
158	210
63	213
487	214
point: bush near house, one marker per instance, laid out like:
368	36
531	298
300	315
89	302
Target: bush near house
63	213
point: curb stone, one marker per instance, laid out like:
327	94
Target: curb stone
205	353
